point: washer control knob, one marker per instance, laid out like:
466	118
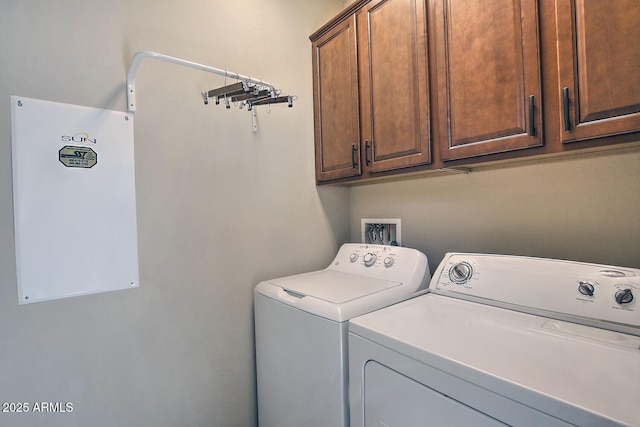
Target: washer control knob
370	259
624	296
353	257
461	272
586	288
388	261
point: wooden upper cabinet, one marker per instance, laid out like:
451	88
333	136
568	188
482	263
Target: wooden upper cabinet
397	80
488	72
394	84
335	92
598	65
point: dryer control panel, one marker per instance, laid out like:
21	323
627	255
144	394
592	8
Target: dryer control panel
597	295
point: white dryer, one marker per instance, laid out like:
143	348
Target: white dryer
502	340
301	330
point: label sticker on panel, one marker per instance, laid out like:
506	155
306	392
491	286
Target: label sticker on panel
77	157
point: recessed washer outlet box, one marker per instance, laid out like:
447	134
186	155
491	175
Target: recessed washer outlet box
381	231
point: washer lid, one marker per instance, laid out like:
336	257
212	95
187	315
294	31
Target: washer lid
332	286
335	295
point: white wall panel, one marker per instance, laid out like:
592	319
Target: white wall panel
74	200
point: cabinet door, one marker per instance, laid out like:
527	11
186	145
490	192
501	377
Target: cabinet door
488	71
335	92
598	63
394	88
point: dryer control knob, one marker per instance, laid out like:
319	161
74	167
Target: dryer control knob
461	273
353	257
624	296
586	288
388	261
370	259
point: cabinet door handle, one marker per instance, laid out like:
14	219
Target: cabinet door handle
565	107
353	156
532	127
367	147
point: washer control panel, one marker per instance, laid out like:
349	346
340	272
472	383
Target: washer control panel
373	255
393	263
565	288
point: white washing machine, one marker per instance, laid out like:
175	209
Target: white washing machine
301	330
502	340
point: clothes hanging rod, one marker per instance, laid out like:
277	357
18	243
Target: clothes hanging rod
139	56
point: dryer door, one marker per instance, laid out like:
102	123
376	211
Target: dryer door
394	400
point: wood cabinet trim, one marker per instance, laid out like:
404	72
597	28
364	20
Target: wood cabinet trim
345	14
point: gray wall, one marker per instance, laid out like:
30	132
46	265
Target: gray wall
582	208
219	207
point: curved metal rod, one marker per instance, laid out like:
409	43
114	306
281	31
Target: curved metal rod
139	56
